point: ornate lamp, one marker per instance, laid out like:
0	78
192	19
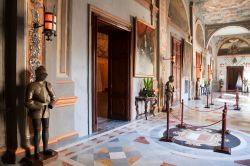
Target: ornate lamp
49	25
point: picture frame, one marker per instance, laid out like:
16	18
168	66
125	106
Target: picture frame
145	49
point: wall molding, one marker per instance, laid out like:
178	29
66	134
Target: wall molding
63	46
123	24
64	82
150	6
65	101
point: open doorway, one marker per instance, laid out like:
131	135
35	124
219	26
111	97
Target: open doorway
111	47
234	74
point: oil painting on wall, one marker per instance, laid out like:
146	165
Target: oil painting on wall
145	57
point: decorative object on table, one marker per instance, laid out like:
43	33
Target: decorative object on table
145	49
40	98
148	90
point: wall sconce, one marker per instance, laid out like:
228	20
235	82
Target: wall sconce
172	59
200	67
49	25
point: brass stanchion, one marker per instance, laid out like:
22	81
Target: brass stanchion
222	148
167	138
207	106
182	125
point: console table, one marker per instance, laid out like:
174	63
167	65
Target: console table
153	101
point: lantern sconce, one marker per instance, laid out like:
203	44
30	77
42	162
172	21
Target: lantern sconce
49	25
172	59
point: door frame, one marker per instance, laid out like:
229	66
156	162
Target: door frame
242	67
119	23
172	38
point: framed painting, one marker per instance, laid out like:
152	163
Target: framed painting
145	49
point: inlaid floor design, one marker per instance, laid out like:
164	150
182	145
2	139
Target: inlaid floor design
137	143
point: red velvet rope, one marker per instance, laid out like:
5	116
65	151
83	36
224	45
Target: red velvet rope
194	125
193	109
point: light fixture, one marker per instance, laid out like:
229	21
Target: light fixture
172	59
49	25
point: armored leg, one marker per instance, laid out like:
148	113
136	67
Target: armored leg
45	133
36	126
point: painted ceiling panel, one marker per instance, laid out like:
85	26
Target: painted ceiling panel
177	14
222	11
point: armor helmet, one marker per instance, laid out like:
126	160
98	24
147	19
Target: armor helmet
41	73
171	78
40	70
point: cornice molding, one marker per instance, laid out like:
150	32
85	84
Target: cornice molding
65	101
148	6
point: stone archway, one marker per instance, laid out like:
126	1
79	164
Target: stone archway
210	30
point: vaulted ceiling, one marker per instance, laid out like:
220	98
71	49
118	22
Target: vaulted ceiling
222	11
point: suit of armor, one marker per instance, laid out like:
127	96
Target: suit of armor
40	97
169	89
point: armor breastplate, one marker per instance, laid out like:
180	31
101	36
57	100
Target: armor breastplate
40	92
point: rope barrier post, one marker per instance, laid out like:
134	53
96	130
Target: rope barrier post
182	125
222	148
212	94
207	106
237	100
167	138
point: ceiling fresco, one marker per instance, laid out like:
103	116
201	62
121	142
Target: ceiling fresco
234	46
177	14
222	11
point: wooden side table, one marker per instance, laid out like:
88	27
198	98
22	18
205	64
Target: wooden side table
153	101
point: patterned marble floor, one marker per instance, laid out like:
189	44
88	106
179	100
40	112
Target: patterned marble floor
137	143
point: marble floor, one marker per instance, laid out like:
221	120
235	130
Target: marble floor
137	143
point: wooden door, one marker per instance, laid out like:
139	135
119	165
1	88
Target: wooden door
198	65
2	109
177	52
119	75
94	28
232	75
